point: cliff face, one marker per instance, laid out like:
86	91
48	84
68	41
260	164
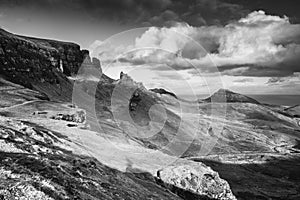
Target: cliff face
68	57
39	63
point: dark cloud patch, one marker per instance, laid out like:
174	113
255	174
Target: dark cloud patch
294	79
275	80
208	12
163	12
132	61
166	18
125	11
255	70
142	12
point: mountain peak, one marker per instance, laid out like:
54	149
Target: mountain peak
225	95
125	79
223	90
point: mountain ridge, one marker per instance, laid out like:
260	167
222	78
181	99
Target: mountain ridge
226	95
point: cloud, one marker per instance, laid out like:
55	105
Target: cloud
170	75
182	37
293	79
256	45
209	12
94	47
123	11
287	85
244	80
166	18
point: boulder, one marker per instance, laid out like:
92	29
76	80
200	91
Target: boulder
198	179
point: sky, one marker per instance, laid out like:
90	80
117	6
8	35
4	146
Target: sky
251	47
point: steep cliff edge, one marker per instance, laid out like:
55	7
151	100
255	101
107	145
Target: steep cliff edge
41	64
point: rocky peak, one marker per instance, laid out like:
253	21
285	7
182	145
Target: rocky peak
125	79
225	95
90	69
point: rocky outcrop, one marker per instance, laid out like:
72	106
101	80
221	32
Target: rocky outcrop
126	81
198	179
90	70
224	95
77	117
39	63
163	91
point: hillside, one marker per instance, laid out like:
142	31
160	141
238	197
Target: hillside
118	140
53	149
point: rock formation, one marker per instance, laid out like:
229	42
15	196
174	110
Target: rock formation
39	63
163	91
198	179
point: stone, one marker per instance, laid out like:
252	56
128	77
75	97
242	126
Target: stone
198	179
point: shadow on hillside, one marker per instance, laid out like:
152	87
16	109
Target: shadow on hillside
276	179
79	177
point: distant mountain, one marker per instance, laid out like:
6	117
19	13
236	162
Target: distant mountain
224	95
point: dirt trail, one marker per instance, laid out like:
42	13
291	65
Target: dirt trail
21	104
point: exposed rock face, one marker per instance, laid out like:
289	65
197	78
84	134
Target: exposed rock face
39	63
163	91
77	117
126	80
223	96
90	69
198	179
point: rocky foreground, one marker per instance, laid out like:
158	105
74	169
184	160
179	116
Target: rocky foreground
51	148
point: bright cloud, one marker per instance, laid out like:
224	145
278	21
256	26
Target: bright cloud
259	45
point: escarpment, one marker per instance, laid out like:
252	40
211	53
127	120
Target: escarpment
41	64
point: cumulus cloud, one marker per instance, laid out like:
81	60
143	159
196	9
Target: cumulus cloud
256	45
253	48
